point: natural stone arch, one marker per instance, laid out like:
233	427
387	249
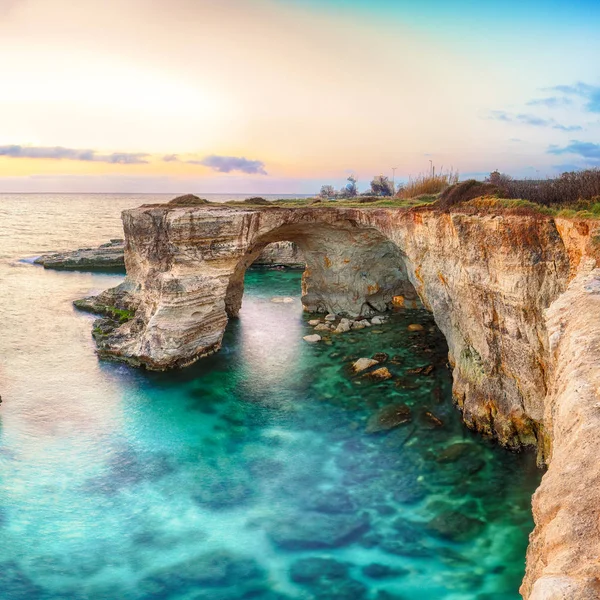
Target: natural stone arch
515	295
351	269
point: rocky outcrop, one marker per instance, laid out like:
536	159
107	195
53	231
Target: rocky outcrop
111	256
515	295
562	559
281	254
107	256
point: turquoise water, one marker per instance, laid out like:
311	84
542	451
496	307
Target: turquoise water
248	475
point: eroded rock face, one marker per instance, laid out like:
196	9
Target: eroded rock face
517	297
112	256
487	280
562	559
106	256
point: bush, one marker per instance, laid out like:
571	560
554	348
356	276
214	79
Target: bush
256	200
188	200
465	191
428	183
566	190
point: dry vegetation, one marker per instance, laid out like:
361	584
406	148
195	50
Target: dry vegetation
565	191
428	184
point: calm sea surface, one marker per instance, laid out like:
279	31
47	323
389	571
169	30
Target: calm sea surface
247	475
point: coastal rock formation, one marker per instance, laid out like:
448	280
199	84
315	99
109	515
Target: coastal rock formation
112	256
517	297
106	256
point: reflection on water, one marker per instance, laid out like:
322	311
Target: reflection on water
247	475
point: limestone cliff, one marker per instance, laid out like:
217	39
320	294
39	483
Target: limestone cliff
510	292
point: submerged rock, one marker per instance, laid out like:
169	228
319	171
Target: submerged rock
388	417
315	530
327	578
214	569
415	327
313	569
379	571
381	357
331	502
455	526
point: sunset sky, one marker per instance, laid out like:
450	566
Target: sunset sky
281	96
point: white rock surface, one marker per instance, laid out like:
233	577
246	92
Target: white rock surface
363	363
313	338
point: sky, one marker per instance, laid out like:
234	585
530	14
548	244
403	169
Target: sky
282	96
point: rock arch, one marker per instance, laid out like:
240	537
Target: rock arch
351	269
516	296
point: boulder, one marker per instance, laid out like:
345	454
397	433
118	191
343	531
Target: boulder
380	357
314	322
415	327
312	339
322	327
380	374
343	326
364	363
330	317
388	418
378	320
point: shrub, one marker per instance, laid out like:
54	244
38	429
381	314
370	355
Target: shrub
465	191
381	186
568	189
428	183
256	200
188	200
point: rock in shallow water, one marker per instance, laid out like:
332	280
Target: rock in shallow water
313	338
363	363
380	374
379	571
326	578
215	569
388	417
455	526
313	530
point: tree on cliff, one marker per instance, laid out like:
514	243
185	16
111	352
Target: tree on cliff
350	190
381	186
327	192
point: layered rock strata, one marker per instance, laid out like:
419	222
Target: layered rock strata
515	296
112	256
106	256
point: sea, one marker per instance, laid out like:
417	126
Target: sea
256	473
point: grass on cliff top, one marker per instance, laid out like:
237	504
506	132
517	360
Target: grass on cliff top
580	210
358	202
